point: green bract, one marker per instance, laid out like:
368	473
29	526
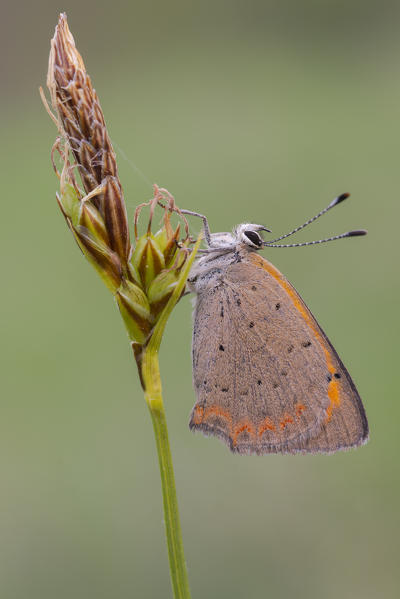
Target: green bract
143	288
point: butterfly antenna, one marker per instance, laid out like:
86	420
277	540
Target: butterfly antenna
355	233
334	202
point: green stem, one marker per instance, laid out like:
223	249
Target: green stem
179	577
153	395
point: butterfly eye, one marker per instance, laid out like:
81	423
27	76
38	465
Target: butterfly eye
254	238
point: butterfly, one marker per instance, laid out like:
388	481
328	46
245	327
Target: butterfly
266	377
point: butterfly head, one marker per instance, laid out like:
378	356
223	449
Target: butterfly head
248	235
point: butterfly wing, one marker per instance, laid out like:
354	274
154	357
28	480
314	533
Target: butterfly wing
266	376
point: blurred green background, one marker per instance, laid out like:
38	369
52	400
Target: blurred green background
260	111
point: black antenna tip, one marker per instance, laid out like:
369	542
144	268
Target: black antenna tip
357	233
339	199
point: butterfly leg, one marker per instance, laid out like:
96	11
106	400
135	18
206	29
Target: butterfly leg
207	233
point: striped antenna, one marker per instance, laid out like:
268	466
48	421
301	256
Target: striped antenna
355	233
334	202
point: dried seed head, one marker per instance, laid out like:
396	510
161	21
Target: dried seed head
82	127
142	278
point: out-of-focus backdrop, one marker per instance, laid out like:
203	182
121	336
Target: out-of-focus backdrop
259	111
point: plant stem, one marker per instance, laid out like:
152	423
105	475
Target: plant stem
179	577
153	394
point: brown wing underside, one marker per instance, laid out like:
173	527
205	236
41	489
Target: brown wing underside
266	377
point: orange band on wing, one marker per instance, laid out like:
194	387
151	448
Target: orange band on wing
246	426
198	414
202	414
285	421
333	387
267	425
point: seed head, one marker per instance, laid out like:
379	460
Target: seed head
83	132
142	278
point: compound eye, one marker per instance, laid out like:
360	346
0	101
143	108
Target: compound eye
254	238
